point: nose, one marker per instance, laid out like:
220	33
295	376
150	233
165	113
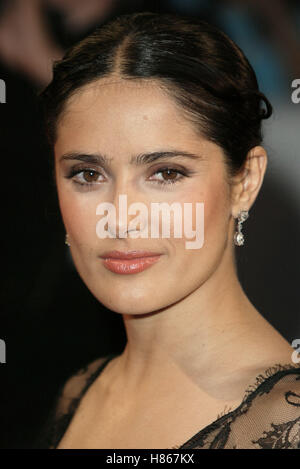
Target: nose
130	214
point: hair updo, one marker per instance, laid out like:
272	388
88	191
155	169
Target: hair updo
195	63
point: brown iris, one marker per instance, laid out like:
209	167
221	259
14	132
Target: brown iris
90	176
169	172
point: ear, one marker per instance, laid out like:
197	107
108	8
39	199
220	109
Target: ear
246	184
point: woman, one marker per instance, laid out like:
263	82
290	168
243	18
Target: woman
164	109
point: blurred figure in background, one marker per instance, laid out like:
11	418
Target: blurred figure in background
27	43
267	31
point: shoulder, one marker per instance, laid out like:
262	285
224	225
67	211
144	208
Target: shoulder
275	380
282	391
73	387
273	408
64	405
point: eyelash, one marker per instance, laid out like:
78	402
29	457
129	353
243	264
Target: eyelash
183	173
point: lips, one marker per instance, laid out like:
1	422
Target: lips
129	254
129	262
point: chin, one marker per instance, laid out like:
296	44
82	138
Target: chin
130	301
129	307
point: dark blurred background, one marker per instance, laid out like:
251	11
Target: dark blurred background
50	322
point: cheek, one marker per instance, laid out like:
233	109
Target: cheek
79	216
215	200
215	197
216	215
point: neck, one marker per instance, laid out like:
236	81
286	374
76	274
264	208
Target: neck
205	328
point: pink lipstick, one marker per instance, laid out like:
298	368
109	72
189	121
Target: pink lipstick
130	262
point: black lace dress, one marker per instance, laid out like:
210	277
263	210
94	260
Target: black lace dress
267	418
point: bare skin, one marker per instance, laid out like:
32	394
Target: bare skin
194	339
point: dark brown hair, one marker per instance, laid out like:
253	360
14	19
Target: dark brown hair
198	65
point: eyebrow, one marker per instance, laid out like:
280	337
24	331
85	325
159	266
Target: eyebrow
140	159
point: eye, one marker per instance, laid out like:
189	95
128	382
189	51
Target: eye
85	176
169	175
90	177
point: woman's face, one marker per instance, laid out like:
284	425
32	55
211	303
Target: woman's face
122	120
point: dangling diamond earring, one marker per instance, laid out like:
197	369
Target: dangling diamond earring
67	240
238	235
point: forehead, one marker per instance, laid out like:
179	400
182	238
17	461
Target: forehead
124	117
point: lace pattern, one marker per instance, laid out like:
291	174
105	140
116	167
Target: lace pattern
267	418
